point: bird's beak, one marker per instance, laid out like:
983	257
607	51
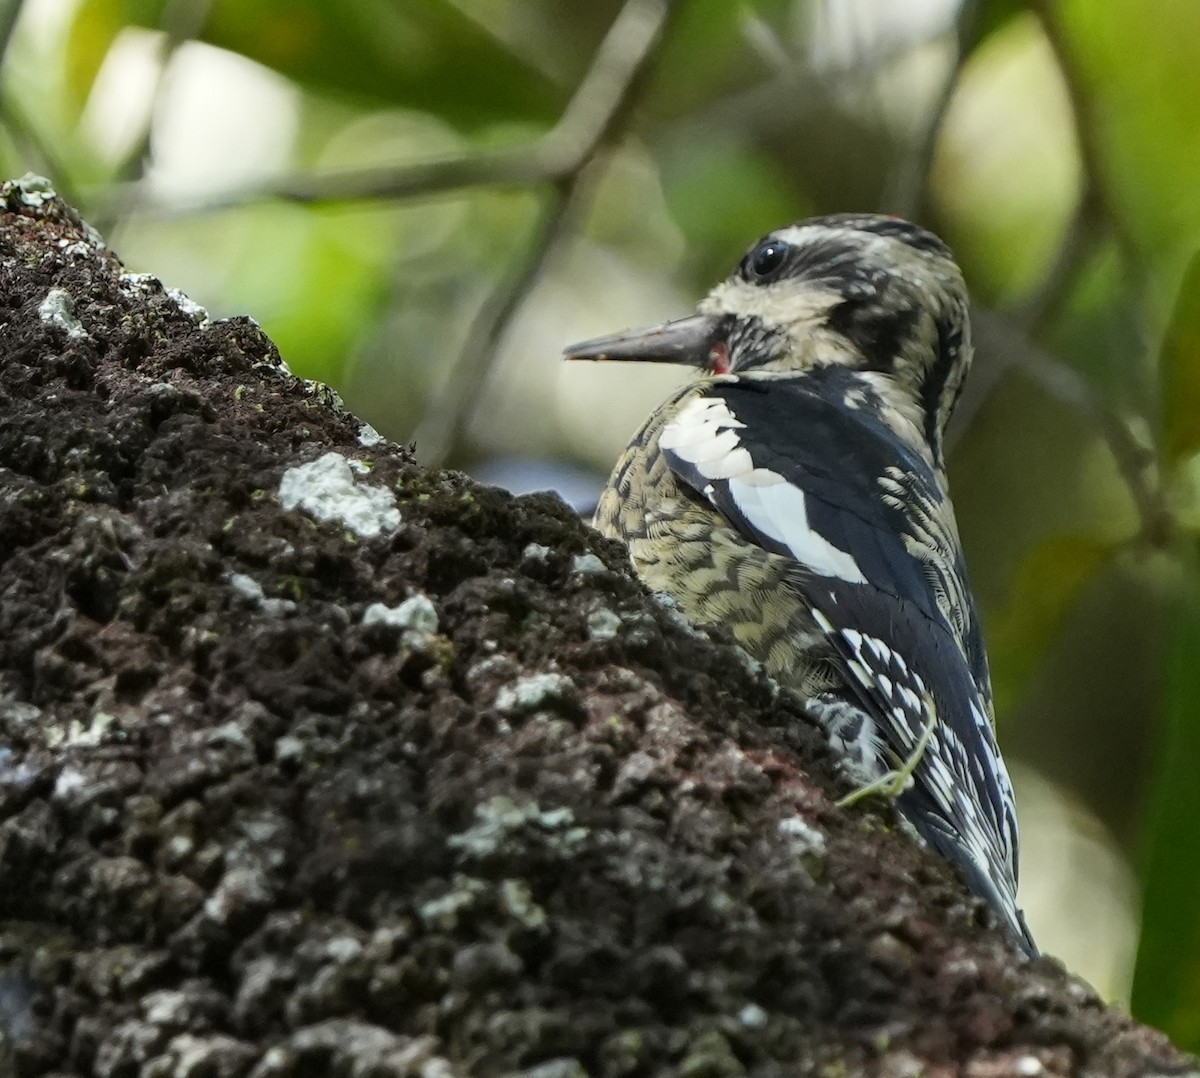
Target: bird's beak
688	340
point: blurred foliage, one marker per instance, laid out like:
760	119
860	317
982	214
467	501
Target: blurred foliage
1053	144
1167	986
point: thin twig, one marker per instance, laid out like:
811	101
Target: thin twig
1136	462
588	119
1097	216
910	190
1099	210
455	397
1084	234
598	110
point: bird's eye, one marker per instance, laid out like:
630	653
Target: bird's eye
766	260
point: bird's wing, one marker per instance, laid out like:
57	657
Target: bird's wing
799	473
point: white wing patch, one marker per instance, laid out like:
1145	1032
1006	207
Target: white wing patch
704	434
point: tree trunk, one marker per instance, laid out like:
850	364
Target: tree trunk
315	762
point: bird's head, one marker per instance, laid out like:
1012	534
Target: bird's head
876	295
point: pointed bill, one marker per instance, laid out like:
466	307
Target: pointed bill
684	340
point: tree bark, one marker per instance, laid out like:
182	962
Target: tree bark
315	762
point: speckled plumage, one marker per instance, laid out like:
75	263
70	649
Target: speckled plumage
796	494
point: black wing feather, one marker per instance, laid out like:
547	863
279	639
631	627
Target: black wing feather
803	431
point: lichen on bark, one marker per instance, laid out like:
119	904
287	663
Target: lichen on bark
420	782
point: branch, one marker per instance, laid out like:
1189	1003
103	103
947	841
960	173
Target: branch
1096	215
597	111
593	113
1098	210
910	191
453	401
1135	462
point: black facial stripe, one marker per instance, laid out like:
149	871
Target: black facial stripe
905	231
876	330
751	343
949	346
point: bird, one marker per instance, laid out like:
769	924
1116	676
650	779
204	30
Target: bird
795	492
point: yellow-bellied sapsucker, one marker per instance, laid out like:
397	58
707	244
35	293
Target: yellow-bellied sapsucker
796	493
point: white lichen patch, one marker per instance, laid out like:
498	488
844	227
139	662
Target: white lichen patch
190	307
804	839
369	437
33	190
138	284
443	912
251	589
75	248
69	780
520	905
602	624
535	552
58	310
534	690
587	565
416	613
289	748
752	1016
327	490
499	818
76	733
146	284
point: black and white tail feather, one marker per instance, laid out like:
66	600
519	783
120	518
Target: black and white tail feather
797	494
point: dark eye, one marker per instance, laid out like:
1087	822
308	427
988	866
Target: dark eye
766	260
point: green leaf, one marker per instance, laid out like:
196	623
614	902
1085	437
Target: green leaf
1136	75
707	54
1166	985
93	30
424	55
1179	367
1045	586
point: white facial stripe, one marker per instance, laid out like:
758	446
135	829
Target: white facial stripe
788	302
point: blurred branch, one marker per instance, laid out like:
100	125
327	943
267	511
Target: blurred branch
1096	217
1098	210
910	190
596	109
1083	236
455	397
1136	462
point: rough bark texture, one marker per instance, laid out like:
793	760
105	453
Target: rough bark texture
524	821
